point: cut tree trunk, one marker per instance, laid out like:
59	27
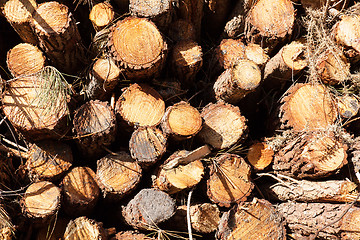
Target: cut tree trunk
313	154
308	107
347	32
118	175
80	191
186	60
237	81
181	170
260	156
348	105
84	228
30	114
181	121
129	36
41	201
131	235
95	128
25	59
48	160
149	208
257	219
158	11
223	125
101	15
147	145
140	105
59	36
311	191
181	30
324	220
19	14
257	54
229	180
229	52
103	78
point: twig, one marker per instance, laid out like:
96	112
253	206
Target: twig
188	214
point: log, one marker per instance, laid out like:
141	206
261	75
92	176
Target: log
147	145
330	191
25	59
229	180
181	121
229	52
236	24
348	105
223	125
80	191
118	175
182	170
257	219
28	110
347	32
131	235
148	208
41	201
19	14
314	154
192	11
58	36
103	78
140	105
95	128
101	15
326	220
84	228
237	81
138	47
158	11
48	160
186	60
256	53
181	30
288	62
308	107
260	156
204	217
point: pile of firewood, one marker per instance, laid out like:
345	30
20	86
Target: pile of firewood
191	119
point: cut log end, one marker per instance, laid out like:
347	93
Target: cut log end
260	156
204	217
256	53
101	15
84	228
333	68
229	52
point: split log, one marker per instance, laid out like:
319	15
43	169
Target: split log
181	30
101	15
229	52
192	11
48	160
312	154
95	127
19	14
260	156
84	228
229	180
54	231
140	105
317	4
186	60
147	145
131	235
80	191
182	170
117	175
313	191
288	62
181	121
25	59
28	112
138	47
237	81
308	107
257	219
223	125
256	53
148	208
41	201
326	220
59	36
158	11
103	78
348	106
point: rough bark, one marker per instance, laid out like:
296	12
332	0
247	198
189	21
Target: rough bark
80	191
25	59
101	15
118	175
229	180
223	125
260	156
130	35
236	24
84	228
257	219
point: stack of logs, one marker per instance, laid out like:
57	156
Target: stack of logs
230	119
